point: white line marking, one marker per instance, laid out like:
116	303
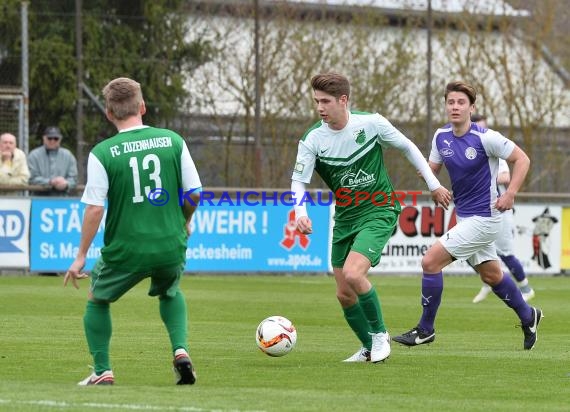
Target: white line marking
135	407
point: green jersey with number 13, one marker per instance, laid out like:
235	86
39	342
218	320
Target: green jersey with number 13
144	227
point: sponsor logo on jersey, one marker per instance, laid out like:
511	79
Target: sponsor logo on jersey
446	152
358	179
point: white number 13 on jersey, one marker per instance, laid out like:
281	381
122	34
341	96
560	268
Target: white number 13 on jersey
150	161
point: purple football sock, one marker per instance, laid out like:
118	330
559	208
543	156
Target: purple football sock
514	266
509	293
432	288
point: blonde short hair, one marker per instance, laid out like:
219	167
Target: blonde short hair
123	97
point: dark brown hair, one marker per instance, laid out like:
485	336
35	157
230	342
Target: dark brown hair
459	86
331	83
476	117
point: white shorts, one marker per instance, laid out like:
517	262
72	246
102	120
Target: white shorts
473	239
506	238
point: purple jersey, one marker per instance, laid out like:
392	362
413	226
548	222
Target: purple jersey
472	161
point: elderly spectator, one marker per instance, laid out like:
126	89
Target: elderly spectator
52	166
13	165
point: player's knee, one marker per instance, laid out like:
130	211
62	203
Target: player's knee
353	278
345	295
490	273
345	299
429	265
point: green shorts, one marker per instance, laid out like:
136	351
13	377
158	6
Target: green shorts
109	284
365	236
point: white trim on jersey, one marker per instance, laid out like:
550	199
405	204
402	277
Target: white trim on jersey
503	166
130	129
305	163
190	177
495	144
434	155
97	184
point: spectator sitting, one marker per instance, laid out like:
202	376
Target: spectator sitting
52	166
13	164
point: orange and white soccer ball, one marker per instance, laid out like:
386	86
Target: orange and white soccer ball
276	336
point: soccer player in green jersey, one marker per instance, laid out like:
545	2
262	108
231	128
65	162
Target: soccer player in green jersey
137	171
346	149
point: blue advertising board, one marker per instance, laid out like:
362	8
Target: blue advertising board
14	232
260	238
55	231
224	238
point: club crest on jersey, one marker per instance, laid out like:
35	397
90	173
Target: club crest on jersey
470	153
359	136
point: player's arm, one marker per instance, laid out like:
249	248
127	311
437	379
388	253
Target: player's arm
394	138
435	167
91	221
190	206
520	164
304	224
94	196
192	185
302	173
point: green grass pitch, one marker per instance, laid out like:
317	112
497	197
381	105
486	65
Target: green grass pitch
475	364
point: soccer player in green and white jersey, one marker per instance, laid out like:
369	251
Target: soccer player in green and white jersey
346	149
141	172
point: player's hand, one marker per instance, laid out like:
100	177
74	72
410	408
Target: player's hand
441	196
74	272
505	202
304	225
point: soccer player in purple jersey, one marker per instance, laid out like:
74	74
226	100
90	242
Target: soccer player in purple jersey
506	238
471	156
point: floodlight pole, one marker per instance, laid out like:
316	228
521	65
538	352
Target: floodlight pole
81	165
258	139
24	120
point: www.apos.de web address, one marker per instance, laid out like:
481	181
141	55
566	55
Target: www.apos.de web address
295	261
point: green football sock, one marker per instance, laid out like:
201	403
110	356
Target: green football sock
98	329
358	323
174	314
370	304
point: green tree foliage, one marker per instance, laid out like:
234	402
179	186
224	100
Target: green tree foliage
134	38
